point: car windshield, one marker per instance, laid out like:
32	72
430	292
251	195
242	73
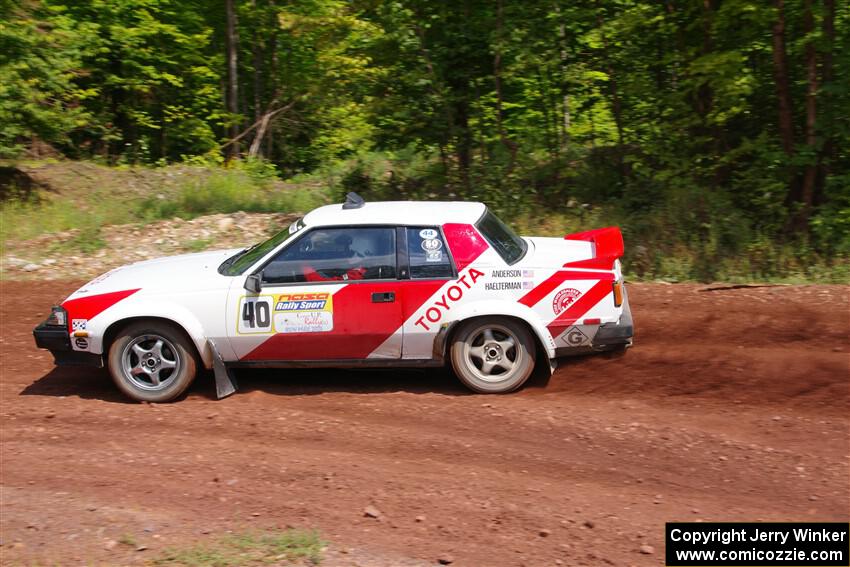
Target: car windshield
505	241
244	259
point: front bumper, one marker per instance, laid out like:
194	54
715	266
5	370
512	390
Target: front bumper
58	341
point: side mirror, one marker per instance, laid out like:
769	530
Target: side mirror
253	283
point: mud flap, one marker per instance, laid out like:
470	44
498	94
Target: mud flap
225	381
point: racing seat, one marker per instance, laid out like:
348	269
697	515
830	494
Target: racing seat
313	275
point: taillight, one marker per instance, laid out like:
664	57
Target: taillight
618	293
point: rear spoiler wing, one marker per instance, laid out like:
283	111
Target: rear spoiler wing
607	248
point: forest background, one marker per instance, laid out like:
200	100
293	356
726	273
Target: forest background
714	132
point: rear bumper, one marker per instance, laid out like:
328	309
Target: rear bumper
58	341
612	336
605	337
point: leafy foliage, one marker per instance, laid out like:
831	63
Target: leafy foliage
717	127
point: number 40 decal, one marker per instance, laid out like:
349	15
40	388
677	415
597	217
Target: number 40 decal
255	315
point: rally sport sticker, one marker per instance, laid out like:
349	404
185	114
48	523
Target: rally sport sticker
304	313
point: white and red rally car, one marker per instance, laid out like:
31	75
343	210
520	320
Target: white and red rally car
358	284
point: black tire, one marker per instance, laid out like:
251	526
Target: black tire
152	361
493	355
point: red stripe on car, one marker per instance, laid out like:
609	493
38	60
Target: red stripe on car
360	326
601	263
465	242
90	306
581	306
549	285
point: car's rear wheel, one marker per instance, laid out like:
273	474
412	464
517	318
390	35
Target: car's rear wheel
152	361
493	355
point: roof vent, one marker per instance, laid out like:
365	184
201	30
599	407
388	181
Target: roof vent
353	201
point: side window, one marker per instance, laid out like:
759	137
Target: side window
427	253
335	254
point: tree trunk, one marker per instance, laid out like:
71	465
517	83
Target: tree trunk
780	76
437	88
674	70
616	106
827	112
564	67
550	106
783	94
254	149
509	144
704	94
271	79
463	143
811	171
121	122
232	102
257	56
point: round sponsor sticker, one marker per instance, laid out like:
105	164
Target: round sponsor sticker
564	299
431	245
427	233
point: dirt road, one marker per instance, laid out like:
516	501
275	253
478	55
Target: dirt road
733	405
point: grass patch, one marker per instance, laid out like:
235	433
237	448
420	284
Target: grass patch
97	201
249	548
87	241
25	219
198	245
230	191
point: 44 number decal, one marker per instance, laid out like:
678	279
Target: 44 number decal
255	315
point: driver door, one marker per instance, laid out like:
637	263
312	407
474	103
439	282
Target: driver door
332	294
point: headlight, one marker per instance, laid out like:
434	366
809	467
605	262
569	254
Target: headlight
58	317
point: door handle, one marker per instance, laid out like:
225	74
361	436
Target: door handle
383	297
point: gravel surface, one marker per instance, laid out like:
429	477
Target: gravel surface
732	405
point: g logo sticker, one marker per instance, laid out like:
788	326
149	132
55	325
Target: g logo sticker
575	338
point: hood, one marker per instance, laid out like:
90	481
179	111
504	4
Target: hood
554	252
173	273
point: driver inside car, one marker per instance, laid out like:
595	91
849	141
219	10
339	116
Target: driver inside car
344	257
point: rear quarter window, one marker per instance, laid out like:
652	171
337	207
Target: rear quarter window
427	253
510	247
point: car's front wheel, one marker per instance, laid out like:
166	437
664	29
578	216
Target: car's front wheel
152	361
493	355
